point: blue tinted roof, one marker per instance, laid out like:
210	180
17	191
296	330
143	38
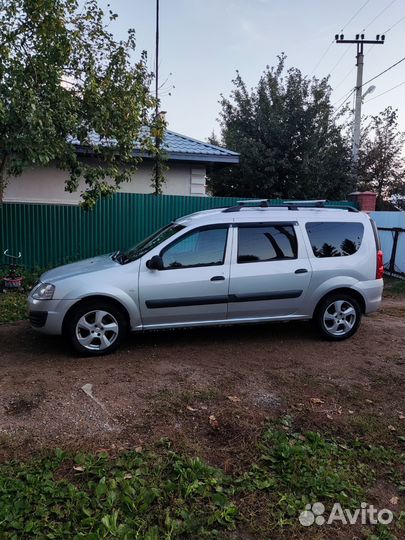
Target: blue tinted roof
182	148
177	145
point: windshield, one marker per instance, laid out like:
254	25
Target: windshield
150	242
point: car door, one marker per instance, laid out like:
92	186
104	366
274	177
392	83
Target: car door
270	271
193	285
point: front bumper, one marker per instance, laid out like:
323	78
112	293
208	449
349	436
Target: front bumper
47	316
37	318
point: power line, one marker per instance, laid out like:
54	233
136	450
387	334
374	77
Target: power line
355	15
386	92
341	30
340	59
379	14
386	32
359	83
369	51
345	97
360	42
345	100
385	71
394	25
322	57
344	78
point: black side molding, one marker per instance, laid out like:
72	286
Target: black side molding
223	299
182	302
280	295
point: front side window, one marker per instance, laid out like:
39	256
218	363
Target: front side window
205	247
334	239
266	243
151	242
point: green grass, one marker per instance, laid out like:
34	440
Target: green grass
159	494
295	470
394	287
136	495
13	307
13	304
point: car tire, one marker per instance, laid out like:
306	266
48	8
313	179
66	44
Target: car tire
338	316
96	328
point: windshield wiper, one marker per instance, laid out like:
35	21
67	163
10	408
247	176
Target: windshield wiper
121	258
117	256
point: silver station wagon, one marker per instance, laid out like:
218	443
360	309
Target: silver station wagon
248	263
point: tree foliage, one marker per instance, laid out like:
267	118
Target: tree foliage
381	164
289	141
63	78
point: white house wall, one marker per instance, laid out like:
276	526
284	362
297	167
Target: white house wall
47	184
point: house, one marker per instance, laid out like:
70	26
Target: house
189	161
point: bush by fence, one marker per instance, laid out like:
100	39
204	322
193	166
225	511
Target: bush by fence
48	235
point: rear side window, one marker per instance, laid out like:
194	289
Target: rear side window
266	243
330	239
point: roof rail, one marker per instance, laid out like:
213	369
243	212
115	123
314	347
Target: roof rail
290	205
254	203
312	203
263	202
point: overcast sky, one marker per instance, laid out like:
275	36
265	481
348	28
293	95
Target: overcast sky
203	42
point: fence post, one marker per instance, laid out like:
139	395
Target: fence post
391	267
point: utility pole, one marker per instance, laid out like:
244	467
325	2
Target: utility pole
359	41
157	139
157	58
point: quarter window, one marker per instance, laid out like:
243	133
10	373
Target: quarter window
334	239
266	243
205	247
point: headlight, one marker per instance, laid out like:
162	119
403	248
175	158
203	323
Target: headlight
43	291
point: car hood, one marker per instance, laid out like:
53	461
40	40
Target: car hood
87	266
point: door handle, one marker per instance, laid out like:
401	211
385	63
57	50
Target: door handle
301	271
217	278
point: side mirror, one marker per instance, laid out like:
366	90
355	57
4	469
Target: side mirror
155	263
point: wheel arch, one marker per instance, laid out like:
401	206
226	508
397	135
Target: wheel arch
96	297
345	290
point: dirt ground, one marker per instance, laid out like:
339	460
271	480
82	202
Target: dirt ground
168	384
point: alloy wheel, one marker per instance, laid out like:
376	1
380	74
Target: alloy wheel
97	330
339	317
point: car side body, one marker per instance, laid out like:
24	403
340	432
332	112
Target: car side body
220	266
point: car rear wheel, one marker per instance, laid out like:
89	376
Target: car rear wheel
338	317
96	328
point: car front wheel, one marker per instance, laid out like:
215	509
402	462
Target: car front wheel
96	328
338	317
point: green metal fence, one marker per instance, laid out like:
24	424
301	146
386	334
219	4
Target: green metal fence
49	235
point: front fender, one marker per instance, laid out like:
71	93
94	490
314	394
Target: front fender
126	300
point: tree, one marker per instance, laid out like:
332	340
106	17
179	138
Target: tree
348	247
63	79
381	165
289	141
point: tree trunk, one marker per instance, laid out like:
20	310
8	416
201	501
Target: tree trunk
380	199
3	177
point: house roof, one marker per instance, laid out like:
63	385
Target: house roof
182	148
